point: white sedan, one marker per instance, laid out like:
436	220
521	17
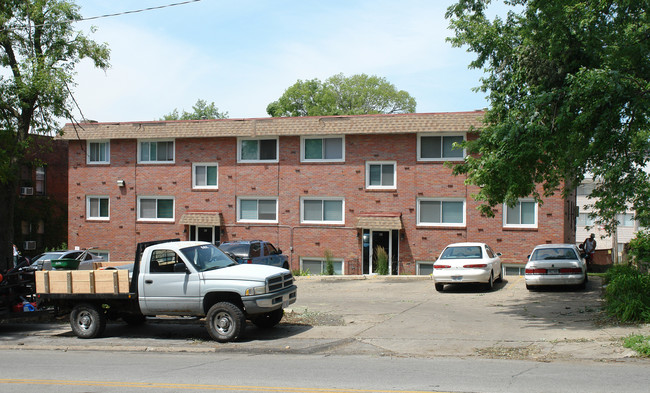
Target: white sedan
556	264
467	263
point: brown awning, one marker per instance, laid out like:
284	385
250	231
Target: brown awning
202	219
380	221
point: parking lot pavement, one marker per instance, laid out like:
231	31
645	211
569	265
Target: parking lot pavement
396	316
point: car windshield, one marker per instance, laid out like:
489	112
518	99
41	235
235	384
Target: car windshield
207	257
562	253
239	249
462	252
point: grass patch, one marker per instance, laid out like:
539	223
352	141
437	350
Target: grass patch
638	343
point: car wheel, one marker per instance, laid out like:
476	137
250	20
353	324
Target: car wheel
87	320
490	284
225	322
439	287
269	319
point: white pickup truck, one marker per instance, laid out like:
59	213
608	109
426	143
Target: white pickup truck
185	279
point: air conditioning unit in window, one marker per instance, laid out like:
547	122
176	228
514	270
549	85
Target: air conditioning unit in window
29	245
26	190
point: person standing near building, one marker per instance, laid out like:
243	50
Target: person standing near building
589	246
16	254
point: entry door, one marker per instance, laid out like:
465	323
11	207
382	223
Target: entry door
388	240
205	234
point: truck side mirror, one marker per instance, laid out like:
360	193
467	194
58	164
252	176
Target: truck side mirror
180	268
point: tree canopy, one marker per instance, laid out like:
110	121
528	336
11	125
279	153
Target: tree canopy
202	110
39	49
341	95
569	89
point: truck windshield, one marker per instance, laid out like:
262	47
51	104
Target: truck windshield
207	257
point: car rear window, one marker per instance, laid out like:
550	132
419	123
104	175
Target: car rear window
559	253
241	250
462	252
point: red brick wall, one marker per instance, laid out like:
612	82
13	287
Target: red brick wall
289	180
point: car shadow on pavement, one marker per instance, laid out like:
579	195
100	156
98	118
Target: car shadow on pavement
473	288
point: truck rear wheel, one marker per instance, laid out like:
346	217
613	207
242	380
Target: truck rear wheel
269	319
225	322
87	320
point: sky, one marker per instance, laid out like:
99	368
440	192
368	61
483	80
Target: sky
242	55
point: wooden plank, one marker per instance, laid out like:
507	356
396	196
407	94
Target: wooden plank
99	265
82	281
111	281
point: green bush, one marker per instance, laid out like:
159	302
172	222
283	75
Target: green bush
329	264
627	294
382	261
640	247
639	343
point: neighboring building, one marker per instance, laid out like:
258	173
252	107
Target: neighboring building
40	215
587	225
346	184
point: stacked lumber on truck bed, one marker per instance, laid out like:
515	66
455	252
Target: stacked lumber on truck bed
82	281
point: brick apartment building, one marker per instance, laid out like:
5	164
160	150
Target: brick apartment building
344	184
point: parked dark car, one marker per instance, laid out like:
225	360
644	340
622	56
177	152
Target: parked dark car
255	251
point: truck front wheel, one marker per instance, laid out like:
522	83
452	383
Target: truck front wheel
87	320
269	319
225	322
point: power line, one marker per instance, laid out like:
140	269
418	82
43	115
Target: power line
140	10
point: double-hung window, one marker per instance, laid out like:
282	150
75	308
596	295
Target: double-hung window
97	208
319	265
156	152
441	212
440	147
155	208
381	175
205	176
98	152
522	215
257	150
322	149
255	209
322	210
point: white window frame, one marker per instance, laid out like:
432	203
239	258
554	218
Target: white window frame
370	187
204	164
302	210
257	161
322	137
526	200
97	218
107	144
442	135
141	141
157	197
257	198
418	264
101	253
442	224
323	264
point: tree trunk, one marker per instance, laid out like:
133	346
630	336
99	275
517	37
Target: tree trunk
7	204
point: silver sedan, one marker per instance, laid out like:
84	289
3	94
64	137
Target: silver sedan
556	264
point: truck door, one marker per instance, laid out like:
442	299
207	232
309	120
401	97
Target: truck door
167	290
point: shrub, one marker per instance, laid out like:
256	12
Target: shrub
329	264
627	294
382	261
639	343
640	247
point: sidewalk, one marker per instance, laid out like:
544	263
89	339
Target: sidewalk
390	316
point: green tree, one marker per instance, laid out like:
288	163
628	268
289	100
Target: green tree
202	110
341	95
569	89
38	52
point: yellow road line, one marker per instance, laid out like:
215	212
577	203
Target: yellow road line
154	385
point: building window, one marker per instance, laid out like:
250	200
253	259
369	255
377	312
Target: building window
156	208
585	189
319	265
330	149
440	147
257	150
322	210
513	270
97	208
156	152
441	212
104	254
424	268
257	209
522	215
626	220
381	175
98	152
584	220
40	181
204	176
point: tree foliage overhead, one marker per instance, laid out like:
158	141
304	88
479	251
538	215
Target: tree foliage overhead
569	89
341	95
202	110
39	49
